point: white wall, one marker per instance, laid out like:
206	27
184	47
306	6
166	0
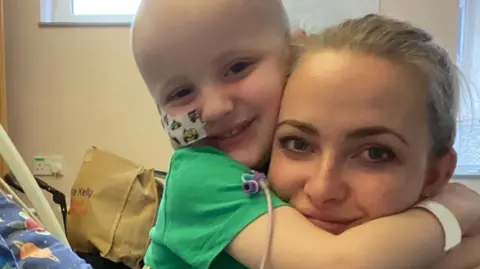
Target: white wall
71	88
315	15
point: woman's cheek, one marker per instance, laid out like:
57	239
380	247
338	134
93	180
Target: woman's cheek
285	176
381	194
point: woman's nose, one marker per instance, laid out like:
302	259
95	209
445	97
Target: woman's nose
325	184
217	103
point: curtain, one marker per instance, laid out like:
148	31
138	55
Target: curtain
469	41
467	143
3	91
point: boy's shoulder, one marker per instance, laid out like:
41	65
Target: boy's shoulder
198	150
203	167
203	158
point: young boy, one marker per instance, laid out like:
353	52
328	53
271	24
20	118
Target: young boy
224	63
235	71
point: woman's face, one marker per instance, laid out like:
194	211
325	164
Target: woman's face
352	140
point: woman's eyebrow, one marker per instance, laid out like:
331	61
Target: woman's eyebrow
302	126
357	133
375	130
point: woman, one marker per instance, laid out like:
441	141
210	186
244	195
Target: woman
376	127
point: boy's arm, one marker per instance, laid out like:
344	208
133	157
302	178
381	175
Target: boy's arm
464	256
210	213
409	240
413	239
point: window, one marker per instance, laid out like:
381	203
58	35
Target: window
88	11
468	136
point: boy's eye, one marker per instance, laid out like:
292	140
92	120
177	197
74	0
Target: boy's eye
238	68
377	154
295	144
179	94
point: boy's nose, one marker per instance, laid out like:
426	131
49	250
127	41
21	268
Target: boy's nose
216	104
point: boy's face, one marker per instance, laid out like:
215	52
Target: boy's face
229	67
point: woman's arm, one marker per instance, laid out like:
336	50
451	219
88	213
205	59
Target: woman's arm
413	239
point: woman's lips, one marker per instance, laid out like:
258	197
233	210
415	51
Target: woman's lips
332	225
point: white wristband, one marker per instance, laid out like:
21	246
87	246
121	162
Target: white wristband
451	228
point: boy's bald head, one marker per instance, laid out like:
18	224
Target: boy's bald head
152	13
158	21
227	59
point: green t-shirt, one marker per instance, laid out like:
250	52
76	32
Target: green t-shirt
203	208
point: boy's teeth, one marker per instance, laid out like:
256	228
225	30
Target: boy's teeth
231	133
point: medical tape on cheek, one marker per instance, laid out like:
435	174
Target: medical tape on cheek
184	129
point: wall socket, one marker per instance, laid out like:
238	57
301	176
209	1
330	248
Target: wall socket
48	166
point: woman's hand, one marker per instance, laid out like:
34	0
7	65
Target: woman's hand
464	203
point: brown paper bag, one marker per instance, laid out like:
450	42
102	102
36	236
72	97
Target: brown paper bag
113	207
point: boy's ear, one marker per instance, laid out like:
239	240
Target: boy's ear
439	172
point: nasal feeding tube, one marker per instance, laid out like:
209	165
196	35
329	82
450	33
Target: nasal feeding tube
186	129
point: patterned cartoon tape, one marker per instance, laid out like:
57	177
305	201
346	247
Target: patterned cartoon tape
184	129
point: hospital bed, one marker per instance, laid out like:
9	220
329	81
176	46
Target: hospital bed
30	187
23	181
57	196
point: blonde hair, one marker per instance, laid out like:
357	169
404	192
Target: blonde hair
398	40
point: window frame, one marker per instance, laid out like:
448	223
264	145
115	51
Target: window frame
61	12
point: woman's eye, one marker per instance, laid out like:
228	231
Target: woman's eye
378	154
295	144
179	94
237	68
